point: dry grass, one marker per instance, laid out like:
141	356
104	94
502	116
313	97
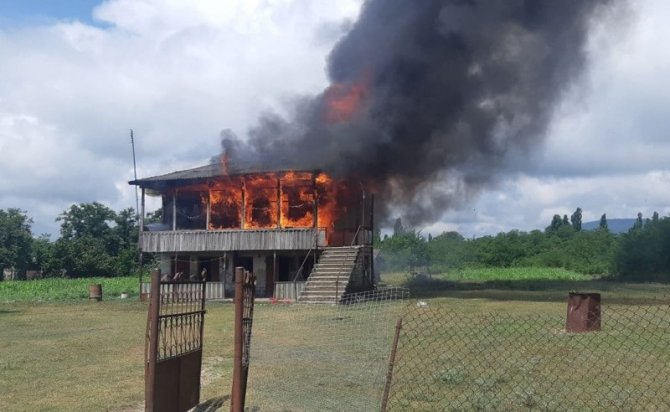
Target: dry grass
89	356
80	356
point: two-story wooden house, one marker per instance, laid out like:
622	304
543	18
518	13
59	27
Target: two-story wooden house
305	235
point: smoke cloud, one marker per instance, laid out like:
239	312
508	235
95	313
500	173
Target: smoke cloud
428	97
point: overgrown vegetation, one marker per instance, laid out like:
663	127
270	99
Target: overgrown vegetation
94	241
639	255
65	289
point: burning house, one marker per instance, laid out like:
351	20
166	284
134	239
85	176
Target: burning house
425	104
294	229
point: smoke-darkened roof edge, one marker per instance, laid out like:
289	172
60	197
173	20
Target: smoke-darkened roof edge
208	171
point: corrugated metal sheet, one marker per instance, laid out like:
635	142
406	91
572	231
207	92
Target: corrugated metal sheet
213	290
230	240
288	290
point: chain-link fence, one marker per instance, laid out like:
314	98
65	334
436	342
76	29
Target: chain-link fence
314	357
454	360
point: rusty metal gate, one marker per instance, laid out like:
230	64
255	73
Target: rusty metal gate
173	351
245	293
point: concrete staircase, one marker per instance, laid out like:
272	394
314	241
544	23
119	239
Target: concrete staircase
330	276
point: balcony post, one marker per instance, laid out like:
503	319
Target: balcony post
174	210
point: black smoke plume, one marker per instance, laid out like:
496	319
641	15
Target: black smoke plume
428	96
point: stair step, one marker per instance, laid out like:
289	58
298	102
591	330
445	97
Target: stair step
334	272
320	292
330	276
331	263
331	287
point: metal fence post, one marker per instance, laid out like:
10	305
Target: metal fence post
389	372
151	352
236	404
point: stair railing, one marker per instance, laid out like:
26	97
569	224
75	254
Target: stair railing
339	272
355	238
313	249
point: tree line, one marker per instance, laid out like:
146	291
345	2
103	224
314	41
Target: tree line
641	254
98	241
94	241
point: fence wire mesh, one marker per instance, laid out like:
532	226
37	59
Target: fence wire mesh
311	357
454	360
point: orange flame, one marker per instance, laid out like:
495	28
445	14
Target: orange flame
278	200
343	100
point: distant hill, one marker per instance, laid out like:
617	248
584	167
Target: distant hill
614	225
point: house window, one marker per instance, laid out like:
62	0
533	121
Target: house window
191	210
225	212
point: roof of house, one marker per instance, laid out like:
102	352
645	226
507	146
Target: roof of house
196	174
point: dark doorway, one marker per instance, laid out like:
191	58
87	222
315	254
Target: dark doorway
211	265
284	268
246	262
270	276
180	264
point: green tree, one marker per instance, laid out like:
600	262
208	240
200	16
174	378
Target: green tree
96	241
448	250
397	227
556	223
154	217
654	217
86	219
42	257
643	253
638	222
576	219
407	250
15	239
603	223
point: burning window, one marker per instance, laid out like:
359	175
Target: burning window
191	214
297	200
225	210
261	202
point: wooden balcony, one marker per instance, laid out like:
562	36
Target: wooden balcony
231	240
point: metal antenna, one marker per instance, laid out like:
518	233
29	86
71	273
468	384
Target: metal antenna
137	200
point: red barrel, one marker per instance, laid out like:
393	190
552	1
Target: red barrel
95	292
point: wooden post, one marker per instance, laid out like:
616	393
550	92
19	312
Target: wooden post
315	210
139	244
151	353
362	225
209	209
174	210
244	205
372	237
278	203
389	372
315	221
236	396
274	270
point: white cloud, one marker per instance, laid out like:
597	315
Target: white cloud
529	202
178	72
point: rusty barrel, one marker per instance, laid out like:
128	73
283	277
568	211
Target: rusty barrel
95	292
583	312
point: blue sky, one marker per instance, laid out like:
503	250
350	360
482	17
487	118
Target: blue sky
179	72
15	13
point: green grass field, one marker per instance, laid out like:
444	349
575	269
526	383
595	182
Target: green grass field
59	352
59	289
